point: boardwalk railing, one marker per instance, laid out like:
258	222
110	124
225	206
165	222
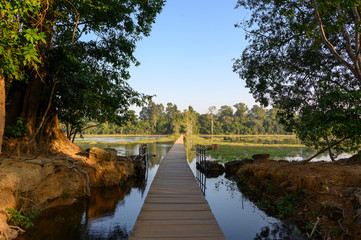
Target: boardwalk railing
143	151
201	159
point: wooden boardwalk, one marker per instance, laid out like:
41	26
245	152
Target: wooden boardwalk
175	207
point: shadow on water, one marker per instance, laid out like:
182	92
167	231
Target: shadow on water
108	214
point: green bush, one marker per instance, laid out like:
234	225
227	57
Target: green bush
18	129
23	220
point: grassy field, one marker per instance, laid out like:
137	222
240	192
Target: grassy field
243	147
120	135
84	144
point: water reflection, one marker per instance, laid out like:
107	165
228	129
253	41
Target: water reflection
237	216
201	181
108	214
278	230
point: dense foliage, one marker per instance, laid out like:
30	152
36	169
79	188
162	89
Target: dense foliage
155	119
304	58
73	57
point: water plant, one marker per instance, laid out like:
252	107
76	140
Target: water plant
65	194
22	219
18	129
286	205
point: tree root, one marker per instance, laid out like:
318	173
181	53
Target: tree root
19	229
72	166
30	200
2	233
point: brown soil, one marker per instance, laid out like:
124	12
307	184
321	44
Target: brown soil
330	192
47	181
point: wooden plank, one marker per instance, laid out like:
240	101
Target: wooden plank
176	215
183	231
178	238
175	207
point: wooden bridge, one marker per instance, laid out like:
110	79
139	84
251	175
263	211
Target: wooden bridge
175	207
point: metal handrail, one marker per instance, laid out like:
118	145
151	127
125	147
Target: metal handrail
201	159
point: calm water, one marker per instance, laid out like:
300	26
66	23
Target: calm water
238	217
111	214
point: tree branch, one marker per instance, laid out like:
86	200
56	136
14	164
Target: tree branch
91	126
72	25
46	112
324	150
330	46
347	37
329	150
76	24
357	33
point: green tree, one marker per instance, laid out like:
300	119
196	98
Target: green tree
152	113
211	111
257	112
241	110
190	122
173	116
225	117
81	76
19	37
304	59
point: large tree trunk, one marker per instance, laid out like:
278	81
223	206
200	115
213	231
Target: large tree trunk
30	101
2	109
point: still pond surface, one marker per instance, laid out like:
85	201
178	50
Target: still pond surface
111	214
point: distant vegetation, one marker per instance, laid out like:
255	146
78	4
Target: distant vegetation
157	119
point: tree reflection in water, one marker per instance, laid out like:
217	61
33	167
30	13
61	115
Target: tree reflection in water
279	230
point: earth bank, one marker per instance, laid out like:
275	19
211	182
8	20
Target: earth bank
42	182
321	195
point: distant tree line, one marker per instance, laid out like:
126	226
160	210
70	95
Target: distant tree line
159	119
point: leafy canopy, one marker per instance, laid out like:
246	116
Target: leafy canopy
304	59
19	36
85	49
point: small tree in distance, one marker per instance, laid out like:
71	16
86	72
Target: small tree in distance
211	111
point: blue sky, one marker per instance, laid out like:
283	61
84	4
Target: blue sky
187	60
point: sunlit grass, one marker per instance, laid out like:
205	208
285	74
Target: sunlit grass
250	140
235	152
85	144
120	135
244	150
